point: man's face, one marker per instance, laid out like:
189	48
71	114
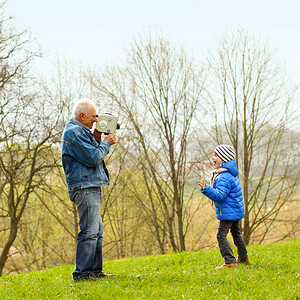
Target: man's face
90	118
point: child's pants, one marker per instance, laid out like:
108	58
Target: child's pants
238	239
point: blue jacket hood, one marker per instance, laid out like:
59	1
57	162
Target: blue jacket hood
231	167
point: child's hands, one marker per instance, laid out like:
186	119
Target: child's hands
202	184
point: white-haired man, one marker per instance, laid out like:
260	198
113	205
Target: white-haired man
83	155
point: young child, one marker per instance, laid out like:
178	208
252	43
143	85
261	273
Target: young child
225	191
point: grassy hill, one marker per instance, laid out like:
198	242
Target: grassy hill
274	274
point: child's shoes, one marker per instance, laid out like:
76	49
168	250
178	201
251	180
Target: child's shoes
231	265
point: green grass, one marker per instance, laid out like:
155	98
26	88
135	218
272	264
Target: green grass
273	274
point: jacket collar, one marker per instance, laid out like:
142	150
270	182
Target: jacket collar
73	120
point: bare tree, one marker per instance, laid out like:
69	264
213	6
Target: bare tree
24	161
253	110
17	51
158	92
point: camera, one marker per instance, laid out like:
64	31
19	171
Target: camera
107	123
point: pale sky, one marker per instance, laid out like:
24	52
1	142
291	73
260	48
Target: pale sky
98	32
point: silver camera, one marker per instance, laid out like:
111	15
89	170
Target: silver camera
107	123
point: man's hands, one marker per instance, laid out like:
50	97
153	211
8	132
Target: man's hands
111	138
97	134
202	184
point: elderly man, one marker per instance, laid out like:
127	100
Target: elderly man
83	162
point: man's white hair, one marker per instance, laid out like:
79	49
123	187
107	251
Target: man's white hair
82	106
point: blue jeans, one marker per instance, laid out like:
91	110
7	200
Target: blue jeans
90	237
238	239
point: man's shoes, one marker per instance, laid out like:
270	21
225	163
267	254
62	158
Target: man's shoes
231	265
92	277
89	277
102	274
245	261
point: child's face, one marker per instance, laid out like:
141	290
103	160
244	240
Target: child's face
217	161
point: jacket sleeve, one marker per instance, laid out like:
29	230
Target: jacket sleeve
220	192
87	152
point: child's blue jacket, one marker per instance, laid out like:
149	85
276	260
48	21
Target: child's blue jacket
227	194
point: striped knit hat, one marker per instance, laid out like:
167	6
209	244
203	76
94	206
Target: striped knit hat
225	152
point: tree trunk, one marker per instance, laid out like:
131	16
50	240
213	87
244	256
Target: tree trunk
12	236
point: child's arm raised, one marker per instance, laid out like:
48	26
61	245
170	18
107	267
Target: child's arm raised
202	184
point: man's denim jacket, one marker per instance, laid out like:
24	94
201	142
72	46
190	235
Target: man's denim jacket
82	157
